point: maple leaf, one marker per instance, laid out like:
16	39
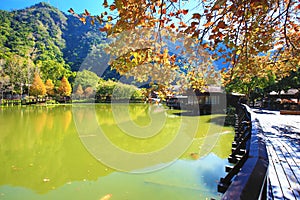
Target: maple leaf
185	12
196	16
205	45
208	24
83	20
221	24
112	7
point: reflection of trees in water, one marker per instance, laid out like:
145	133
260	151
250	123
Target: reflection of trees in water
133	112
33	151
210	138
54	151
220	147
140	116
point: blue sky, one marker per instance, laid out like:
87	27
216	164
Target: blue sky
93	6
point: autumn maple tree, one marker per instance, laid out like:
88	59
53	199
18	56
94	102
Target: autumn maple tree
254	37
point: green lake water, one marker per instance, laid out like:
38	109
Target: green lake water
133	152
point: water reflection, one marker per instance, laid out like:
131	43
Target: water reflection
42	157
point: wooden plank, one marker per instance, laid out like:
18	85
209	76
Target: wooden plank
280	165
295	154
290	169
273	177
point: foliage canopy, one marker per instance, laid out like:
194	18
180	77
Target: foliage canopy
259	34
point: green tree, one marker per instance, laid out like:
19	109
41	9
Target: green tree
117	90
86	78
52	69
4	78
19	71
65	88
105	88
37	87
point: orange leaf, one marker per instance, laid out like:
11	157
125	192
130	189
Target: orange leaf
208	24
182	24
216	7
212	37
172	25
83	20
220	35
112	7
221	24
205	45
185	12
196	16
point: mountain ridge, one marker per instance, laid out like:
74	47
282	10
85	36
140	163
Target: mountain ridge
43	33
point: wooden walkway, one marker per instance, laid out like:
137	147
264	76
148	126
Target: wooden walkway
282	135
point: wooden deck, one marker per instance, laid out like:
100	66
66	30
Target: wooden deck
282	136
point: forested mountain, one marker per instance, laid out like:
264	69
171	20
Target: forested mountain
42	38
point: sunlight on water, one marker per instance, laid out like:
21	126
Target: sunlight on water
42	156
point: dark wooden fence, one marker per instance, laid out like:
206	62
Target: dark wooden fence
247	176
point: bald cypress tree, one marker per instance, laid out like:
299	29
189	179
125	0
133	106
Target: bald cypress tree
65	88
37	87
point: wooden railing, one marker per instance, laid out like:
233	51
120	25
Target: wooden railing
247	177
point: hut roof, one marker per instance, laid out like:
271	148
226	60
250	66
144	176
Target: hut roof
288	92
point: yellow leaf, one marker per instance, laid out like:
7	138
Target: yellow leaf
108	26
83	20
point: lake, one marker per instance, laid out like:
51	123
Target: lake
131	151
